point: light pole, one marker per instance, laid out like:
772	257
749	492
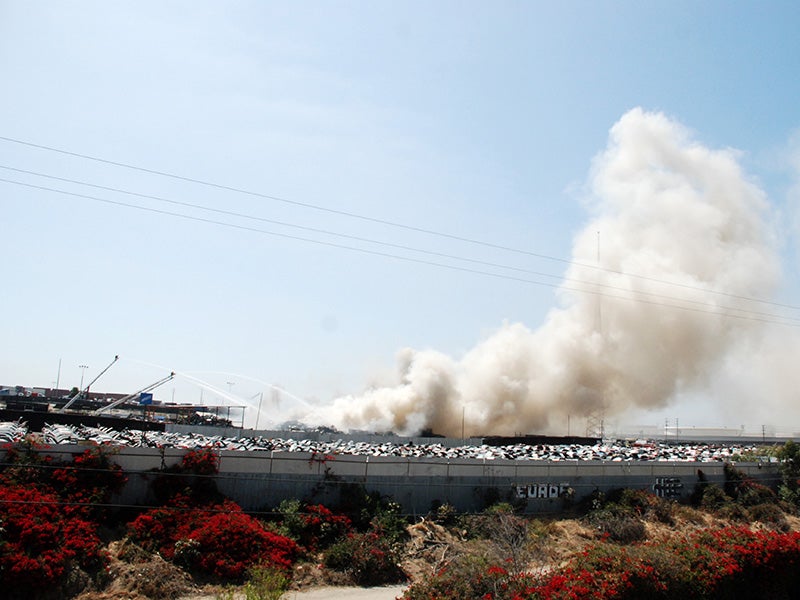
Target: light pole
258	414
230	391
83	370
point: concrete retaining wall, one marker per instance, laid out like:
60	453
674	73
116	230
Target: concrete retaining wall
260	480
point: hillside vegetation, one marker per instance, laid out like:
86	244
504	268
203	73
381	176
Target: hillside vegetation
62	536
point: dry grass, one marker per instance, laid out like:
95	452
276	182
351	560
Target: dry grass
430	547
137	575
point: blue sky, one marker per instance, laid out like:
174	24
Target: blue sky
477	119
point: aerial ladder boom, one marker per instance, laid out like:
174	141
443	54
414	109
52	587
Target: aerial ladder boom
145	389
86	391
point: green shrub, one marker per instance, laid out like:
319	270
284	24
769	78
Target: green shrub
265	583
664	511
500	508
390	523
789	455
444	514
622	528
713	497
462	578
483	525
769	514
370	510
313	526
638	501
367	558
733	512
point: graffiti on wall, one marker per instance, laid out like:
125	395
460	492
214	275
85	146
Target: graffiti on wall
668	487
543	490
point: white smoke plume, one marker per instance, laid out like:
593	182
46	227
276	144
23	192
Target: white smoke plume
668	210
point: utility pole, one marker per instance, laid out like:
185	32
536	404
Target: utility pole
83	370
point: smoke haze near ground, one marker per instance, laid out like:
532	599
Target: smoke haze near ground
667	209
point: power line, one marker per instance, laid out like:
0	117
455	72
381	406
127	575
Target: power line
377	220
274	221
388	244
764	317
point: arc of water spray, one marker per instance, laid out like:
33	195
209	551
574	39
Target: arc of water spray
232	398
204	384
309	408
305	403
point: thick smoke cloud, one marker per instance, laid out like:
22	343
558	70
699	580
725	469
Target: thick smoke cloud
683	242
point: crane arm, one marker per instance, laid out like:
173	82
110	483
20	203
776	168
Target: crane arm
81	392
124	399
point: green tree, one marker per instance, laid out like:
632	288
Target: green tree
789	455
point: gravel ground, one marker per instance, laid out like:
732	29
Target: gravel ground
331	593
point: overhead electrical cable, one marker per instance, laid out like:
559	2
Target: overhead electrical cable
392	245
377	220
769	318
231	213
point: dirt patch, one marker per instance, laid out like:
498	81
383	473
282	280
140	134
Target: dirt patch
430	548
313	574
134	574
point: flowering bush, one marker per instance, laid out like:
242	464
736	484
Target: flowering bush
40	542
230	543
220	540
89	480
203	461
313	526
24	463
45	511
192	477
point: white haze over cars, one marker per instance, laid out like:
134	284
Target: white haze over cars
668	209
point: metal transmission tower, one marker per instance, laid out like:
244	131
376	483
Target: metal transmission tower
595	424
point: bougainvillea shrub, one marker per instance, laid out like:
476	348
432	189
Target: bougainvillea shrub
25	463
158	529
192	477
88	482
83	483
217	539
313	526
40	542
230	543
202	461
